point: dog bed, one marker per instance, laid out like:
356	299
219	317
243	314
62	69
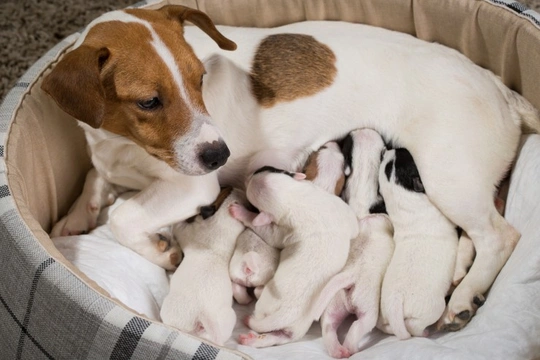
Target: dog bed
50	309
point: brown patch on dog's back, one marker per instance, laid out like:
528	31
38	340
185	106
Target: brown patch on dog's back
290	66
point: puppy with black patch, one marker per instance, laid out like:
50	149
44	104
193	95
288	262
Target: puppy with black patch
361	278
200	297
422	266
253	264
313	229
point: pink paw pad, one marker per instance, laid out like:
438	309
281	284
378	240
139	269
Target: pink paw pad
245	339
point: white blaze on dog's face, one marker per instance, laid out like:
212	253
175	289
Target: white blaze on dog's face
133	74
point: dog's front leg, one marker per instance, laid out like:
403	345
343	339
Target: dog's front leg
135	222
82	217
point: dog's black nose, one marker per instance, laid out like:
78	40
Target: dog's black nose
214	155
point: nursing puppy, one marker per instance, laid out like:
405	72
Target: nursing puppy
313	228
370	253
420	272
253	264
200	297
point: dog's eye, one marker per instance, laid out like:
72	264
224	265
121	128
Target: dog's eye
202	77
149	104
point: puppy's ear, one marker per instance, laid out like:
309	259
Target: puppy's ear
202	21
75	84
417	185
262	219
207	211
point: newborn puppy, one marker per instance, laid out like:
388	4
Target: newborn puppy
253	264
313	228
361	278
324	168
200	297
421	269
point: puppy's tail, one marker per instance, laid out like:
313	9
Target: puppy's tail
396	320
340	281
529	115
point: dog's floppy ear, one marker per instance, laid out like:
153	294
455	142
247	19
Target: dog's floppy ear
75	85
202	21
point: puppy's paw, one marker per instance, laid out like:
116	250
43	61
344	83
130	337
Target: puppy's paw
459	311
340	352
249	338
238	211
169	252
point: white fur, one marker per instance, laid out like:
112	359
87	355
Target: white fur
421	269
361	278
253	264
200	297
418	95
313	228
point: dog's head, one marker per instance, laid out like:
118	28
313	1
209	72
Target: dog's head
133	74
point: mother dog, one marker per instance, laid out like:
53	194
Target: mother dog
155	115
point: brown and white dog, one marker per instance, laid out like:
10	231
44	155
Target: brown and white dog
134	80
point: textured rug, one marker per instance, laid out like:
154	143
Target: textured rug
28	28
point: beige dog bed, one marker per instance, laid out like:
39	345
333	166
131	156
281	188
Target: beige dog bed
50	309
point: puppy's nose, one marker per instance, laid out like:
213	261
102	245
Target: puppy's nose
214	155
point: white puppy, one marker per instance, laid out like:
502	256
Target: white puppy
370	253
313	228
200	297
420	272
253	264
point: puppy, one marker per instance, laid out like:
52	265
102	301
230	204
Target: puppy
370	253
421	269
313	228
200	297
253	264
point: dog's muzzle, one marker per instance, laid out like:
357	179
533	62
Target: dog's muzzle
214	155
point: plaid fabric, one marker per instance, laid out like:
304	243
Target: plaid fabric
519	9
48	313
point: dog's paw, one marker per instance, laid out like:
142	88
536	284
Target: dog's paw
169	252
459	312
237	211
80	220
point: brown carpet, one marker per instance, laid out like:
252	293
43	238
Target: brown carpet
28	28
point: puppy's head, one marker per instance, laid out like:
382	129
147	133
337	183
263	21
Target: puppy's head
326	168
268	185
398	167
132	73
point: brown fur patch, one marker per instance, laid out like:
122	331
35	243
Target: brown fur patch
339	185
291	66
311	169
223	194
